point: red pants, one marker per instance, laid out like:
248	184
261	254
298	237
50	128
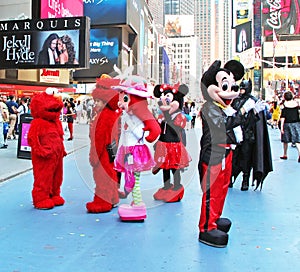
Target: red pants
214	184
70	127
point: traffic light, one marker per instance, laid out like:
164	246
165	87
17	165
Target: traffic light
295	59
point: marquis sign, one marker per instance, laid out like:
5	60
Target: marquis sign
45	43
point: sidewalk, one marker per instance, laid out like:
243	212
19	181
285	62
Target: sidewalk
264	235
11	166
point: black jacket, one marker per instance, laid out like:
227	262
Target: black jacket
217	132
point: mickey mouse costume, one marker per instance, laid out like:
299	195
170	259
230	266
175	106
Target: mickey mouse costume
220	123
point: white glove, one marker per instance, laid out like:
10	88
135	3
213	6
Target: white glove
229	111
249	105
259	106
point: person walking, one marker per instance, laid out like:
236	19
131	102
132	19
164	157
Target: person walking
70	119
275	110
193	112
12	106
290	124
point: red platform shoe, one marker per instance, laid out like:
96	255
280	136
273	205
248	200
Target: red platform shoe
174	195
162	193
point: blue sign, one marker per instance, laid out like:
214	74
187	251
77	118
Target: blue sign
105	12
104	52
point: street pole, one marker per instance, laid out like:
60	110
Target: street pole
262	92
286	68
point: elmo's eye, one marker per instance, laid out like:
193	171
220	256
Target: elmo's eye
225	86
125	98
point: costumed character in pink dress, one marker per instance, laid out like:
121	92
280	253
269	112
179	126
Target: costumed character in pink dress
220	129
45	137
134	156
170	153
104	132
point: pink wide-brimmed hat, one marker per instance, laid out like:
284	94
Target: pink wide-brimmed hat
135	85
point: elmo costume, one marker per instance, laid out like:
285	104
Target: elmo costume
133	154
45	137
104	131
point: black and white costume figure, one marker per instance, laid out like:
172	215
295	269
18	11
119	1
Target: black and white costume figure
220	129
248	155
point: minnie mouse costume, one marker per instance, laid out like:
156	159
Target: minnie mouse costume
170	153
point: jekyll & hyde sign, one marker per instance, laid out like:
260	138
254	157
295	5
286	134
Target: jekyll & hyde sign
44	43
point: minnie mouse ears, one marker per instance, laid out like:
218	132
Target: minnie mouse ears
177	89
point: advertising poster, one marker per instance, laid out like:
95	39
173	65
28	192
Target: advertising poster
241	11
106	12
24	142
282	16
179	25
61	8
44	43
243	37
105	46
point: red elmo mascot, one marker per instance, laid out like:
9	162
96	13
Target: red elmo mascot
104	131
47	149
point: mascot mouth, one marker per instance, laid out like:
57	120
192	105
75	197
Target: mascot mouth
227	101
54	110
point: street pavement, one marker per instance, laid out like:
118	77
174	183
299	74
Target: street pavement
265	235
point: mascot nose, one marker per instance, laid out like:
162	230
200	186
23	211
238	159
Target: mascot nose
235	88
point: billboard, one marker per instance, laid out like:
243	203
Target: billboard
242	10
44	43
243	37
179	25
61	8
108	12
282	16
105	46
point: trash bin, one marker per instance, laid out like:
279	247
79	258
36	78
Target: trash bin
24	150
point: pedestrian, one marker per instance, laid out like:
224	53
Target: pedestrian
290	124
275	110
103	145
186	111
12	106
79	111
22	109
5	116
70	120
193	111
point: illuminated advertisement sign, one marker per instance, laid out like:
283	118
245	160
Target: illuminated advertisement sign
61	8
44	43
243	37
179	25
105	12
241	11
282	16
105	44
